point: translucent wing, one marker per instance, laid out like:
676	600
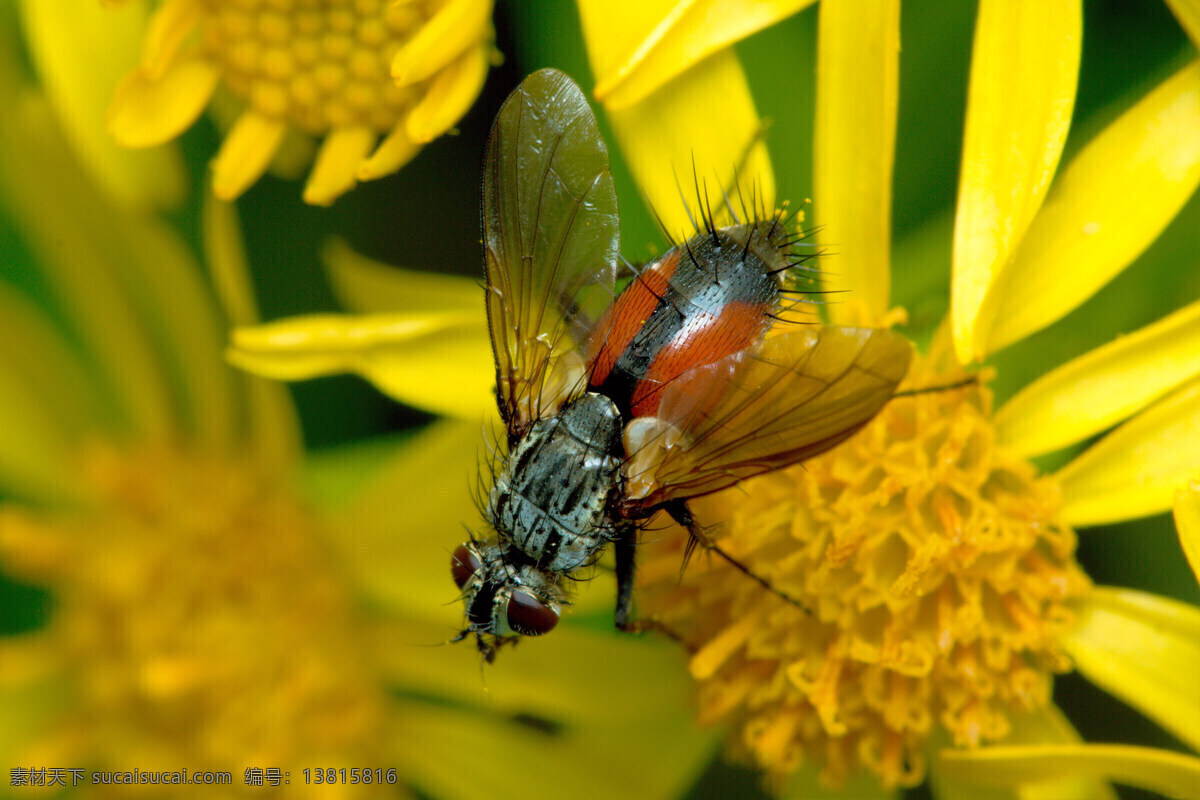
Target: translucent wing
788	398
550	232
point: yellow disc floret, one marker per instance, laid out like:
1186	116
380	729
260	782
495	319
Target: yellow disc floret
197	622
936	574
319	65
375	78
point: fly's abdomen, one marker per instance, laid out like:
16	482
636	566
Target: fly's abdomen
700	302
551	499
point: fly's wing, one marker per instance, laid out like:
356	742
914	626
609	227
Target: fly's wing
550	232
783	400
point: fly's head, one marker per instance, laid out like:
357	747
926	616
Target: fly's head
505	595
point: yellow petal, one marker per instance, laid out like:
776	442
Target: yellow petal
226	261
1144	650
244	155
614	30
449	95
1134	471
364	285
158	271
273	427
146	111
81	52
806	784
439	362
338	159
29	658
149	269
36	450
1045	727
47	365
437	469
1160	771
396	150
687	34
32	693
170	26
1109	204
1024	68
458	26
669	139
671	133
858	73
642	721
1188	14
1187	522
1103	387
81	246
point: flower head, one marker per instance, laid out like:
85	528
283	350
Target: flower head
939	578
936	559
226	664
376	79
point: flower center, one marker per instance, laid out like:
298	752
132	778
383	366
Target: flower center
936	573
196	622
318	65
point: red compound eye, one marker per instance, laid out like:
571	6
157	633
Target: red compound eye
463	564
529	616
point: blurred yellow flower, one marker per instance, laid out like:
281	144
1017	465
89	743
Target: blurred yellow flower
79	52
937	561
351	71
206	613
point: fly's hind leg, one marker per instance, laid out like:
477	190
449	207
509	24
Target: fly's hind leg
698	538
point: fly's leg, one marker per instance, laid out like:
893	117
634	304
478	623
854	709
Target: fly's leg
626	546
698	538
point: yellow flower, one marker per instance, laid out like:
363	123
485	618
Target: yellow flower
206	613
79	52
936	557
352	72
938	563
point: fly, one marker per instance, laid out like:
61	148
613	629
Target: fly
618	409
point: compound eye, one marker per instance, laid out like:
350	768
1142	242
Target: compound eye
529	616
464	564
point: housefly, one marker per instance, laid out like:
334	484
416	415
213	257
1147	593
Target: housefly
617	409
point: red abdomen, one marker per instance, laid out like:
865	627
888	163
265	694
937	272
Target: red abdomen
700	302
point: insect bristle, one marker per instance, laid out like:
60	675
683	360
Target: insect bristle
729	206
658	220
687	209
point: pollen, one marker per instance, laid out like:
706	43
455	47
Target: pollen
936	578
197	622
319	66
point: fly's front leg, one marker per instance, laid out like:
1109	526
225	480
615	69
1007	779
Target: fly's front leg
698	538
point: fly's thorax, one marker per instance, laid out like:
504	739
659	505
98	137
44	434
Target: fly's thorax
551	498
504	595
